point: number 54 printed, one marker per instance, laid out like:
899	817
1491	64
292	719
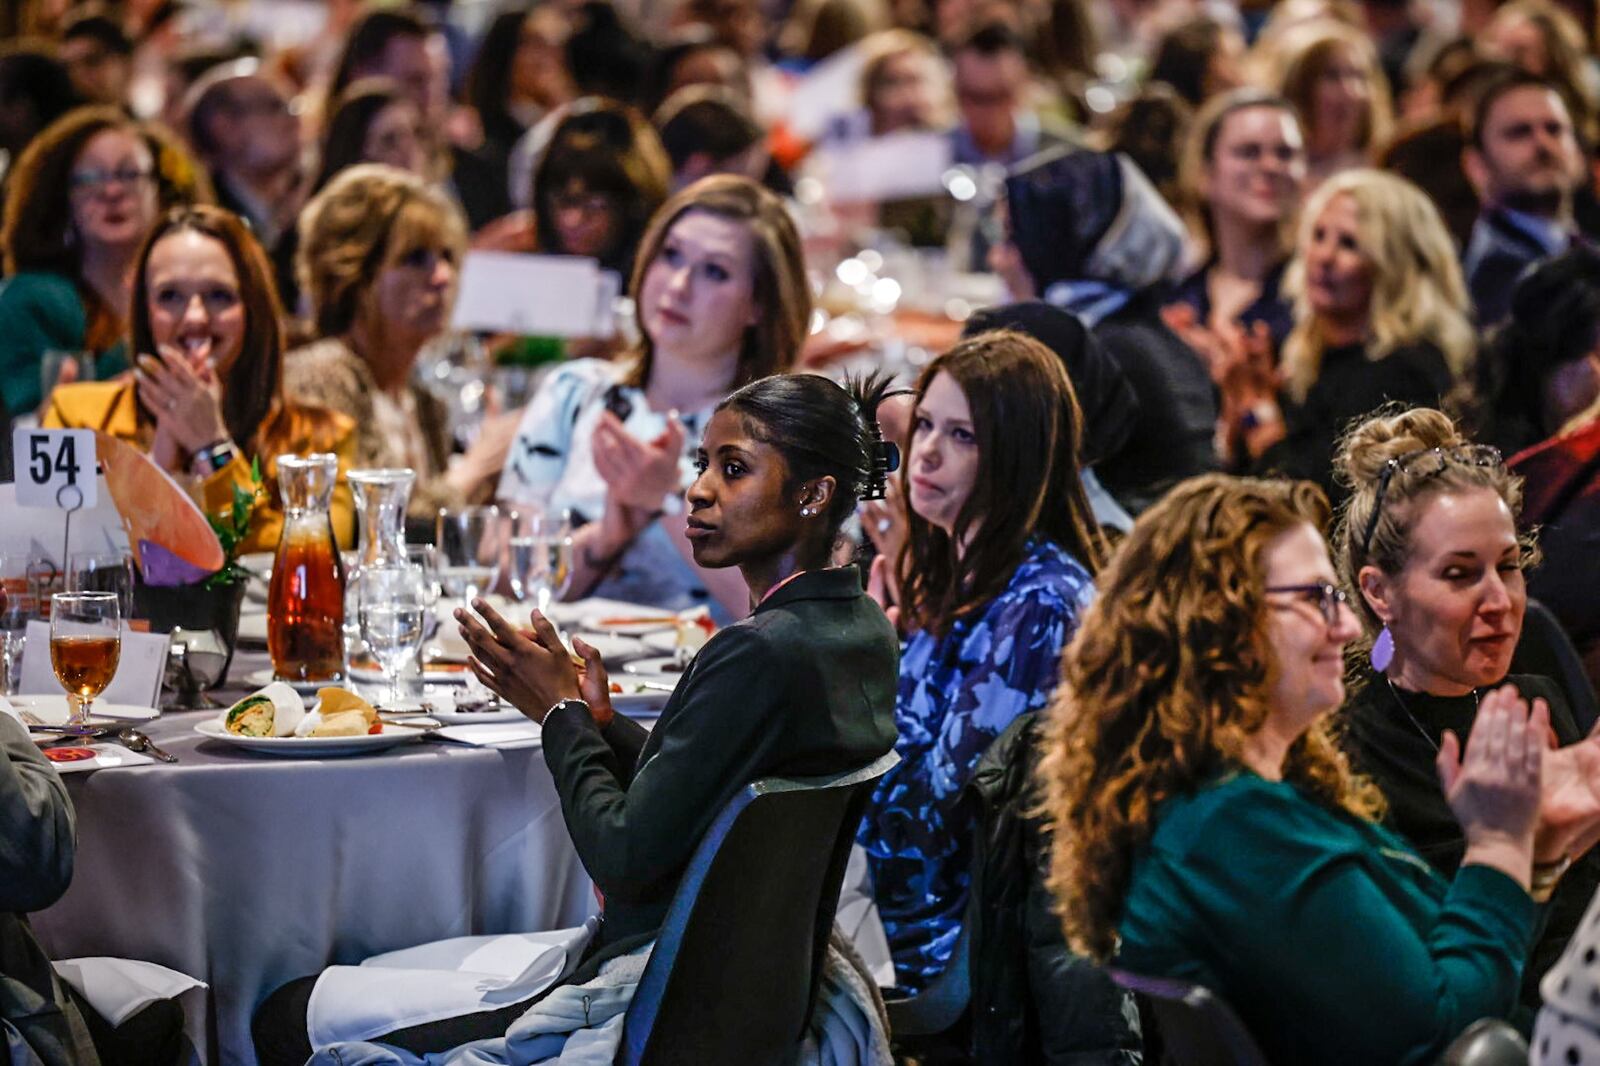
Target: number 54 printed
55	467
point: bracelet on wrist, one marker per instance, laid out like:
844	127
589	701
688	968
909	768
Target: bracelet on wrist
212	457
1545	877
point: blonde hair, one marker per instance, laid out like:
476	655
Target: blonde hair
1169	676
1363	454
878	49
366	217
1417	289
1310	55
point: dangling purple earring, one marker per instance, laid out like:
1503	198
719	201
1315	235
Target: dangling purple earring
1382	651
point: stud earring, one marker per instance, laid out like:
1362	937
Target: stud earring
806	512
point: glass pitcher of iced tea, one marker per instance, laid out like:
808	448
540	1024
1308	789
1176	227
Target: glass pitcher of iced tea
305	604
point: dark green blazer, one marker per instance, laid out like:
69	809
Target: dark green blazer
804	686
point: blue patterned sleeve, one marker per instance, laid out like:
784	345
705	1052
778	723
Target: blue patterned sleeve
1011	662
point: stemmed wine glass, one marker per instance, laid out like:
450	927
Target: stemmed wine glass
85	645
541	557
470	541
390	604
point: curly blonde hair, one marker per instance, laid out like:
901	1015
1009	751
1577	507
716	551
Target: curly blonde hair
1168	677
1418	293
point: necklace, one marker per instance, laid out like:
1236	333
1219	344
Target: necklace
1413	718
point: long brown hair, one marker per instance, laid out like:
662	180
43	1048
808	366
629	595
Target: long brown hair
253	405
1167	678
1029	430
780	288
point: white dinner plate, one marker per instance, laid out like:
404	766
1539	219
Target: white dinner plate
52	709
312	747
499	715
662	668
644	704
264	677
615	649
439	673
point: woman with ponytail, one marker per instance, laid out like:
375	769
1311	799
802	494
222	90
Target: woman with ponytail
998	566
802	686
1429	538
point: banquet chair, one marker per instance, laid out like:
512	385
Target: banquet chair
1196	1027
1545	648
734	972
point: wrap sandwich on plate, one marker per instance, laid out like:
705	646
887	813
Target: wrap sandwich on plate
274	711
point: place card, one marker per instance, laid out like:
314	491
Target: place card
529	295
898	166
141	667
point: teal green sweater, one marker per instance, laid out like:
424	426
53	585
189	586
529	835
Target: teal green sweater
40	312
1330	937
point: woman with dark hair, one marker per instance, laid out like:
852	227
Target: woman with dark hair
1207	828
1429	539
600	177
78	205
207	398
1199	58
1088	233
802	686
373	121
721	300
520	73
1551	349
991	586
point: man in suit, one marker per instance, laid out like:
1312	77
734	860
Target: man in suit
1524	159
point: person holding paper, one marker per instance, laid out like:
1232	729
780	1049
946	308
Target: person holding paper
378	255
722	300
207	400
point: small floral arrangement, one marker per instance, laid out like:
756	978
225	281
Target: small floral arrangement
233	526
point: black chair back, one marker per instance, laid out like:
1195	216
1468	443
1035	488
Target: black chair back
1545	648
734	972
1197	1027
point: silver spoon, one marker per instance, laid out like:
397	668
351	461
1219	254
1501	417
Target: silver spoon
134	740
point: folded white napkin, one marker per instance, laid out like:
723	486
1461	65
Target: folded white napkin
445	979
523	734
119	988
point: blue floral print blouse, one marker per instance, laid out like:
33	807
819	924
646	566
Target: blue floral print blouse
957	694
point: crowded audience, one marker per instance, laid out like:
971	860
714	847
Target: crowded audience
1171	429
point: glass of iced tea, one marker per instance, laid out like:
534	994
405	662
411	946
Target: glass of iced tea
85	644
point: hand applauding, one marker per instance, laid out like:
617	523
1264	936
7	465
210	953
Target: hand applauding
1494	791
532	670
186	402
637	473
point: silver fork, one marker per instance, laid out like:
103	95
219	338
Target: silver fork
134	740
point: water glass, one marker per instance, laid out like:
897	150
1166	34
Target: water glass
391	603
470	541
85	645
540	557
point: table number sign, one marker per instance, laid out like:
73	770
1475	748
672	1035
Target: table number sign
55	468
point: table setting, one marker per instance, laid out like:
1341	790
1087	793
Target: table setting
318	777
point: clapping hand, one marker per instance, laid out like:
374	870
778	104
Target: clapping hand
187	403
638	474
1495	790
531	670
1569	808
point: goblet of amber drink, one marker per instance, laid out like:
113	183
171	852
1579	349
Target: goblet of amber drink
85	645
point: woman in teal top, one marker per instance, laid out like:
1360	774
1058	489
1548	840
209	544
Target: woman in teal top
78	205
1208	829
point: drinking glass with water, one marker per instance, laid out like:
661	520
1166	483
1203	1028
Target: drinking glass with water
391	605
540	557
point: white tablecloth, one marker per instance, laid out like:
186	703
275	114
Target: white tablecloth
247	871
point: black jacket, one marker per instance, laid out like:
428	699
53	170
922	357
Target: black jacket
1033	1000
804	686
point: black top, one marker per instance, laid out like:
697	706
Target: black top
804	686
1389	747
1349	386
1269	306
1173	435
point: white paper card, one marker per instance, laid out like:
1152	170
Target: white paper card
141	666
537	295
898	166
35	534
55	467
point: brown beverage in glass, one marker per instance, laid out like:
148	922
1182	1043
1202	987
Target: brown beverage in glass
85	665
305	603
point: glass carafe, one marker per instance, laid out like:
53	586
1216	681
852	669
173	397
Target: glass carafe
305	605
381	498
